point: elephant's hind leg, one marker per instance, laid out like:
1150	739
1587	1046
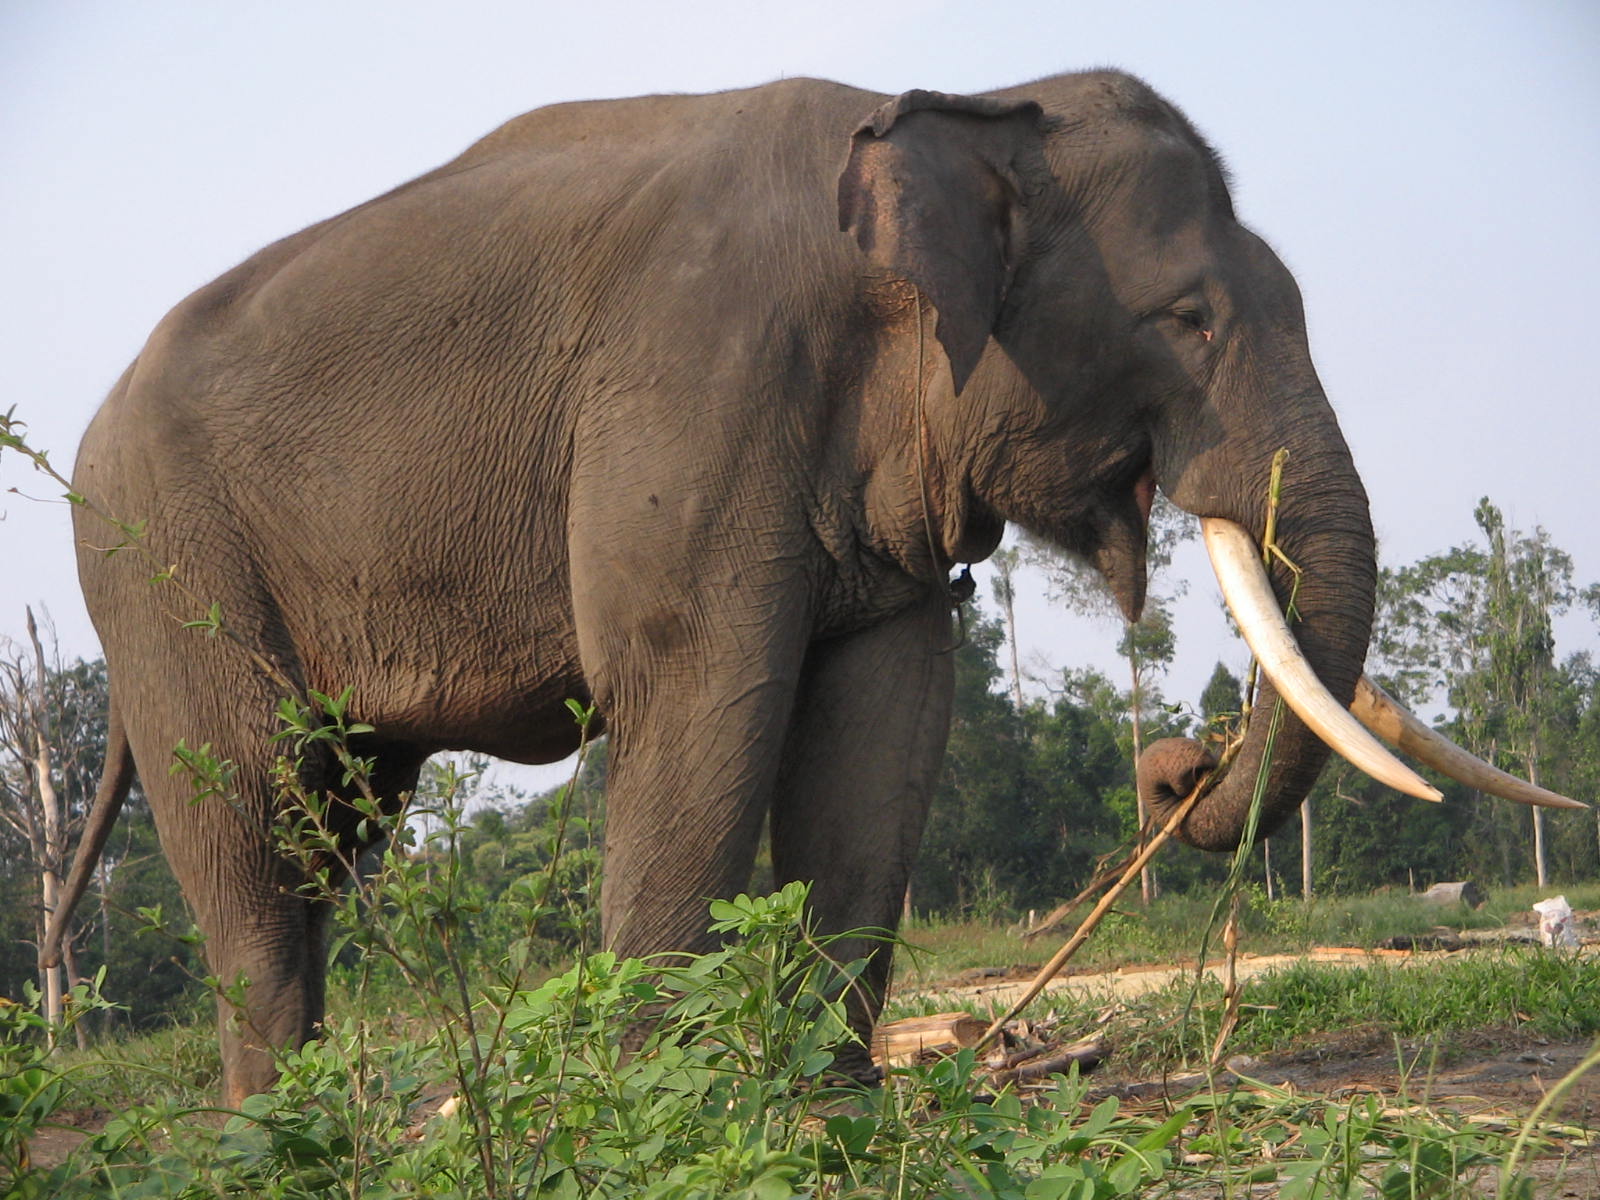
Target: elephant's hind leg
264	922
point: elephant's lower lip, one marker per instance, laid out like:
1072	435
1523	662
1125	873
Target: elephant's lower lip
1144	493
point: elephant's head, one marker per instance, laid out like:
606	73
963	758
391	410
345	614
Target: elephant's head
1110	326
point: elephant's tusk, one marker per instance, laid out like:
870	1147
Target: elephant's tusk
1386	717
1237	561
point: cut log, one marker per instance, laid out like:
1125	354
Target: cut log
902	1042
1086	1054
1465	892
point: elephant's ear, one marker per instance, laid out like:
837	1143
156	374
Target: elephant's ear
933	192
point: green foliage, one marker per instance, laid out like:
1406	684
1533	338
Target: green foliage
1474	624
728	1094
33	1089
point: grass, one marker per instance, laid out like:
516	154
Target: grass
1513	990
1169	930
1500	996
180	1064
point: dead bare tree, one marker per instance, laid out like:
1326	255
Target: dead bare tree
38	771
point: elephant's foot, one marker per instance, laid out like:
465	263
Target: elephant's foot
853	1066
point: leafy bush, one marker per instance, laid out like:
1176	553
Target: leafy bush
728	1094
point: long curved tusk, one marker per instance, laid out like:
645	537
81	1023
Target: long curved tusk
1237	561
1389	719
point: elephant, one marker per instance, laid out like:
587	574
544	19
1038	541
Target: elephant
686	407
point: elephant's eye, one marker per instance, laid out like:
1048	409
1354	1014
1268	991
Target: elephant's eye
1194	319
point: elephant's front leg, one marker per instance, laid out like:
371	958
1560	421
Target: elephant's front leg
859	770
697	696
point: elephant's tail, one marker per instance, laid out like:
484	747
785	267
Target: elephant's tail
115	780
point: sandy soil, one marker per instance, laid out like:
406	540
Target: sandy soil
1495	1077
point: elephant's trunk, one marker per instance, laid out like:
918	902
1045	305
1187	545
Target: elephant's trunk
1323	527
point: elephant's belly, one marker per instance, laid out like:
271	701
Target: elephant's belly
541	734
508	704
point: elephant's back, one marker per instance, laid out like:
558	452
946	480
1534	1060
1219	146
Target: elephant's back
788	117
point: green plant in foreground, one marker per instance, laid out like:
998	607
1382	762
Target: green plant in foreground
33	1090
728	1095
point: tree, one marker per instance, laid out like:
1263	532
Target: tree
1223	696
1529	580
38	799
972	859
1028	800
149	975
1006	561
1474	626
512	838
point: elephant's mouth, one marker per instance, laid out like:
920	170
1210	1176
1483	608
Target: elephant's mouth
1122	535
1237	561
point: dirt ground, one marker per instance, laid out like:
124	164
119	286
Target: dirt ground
1508	1067
1494	1077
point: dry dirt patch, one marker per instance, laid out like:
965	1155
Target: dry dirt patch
1495	1077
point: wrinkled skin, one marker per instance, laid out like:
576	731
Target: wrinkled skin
623	405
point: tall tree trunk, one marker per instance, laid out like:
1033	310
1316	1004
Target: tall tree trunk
69	976
105	935
1005	564
1011	639
1305	849
51	983
52	821
1541	875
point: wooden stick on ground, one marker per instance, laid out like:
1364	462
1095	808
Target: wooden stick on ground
1054	1060
905	1041
1059	960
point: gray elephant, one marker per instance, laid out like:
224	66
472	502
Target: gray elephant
686	406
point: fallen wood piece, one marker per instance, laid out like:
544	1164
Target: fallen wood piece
1086	1054
1017	1057
902	1042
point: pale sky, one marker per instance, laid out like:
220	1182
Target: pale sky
1429	171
